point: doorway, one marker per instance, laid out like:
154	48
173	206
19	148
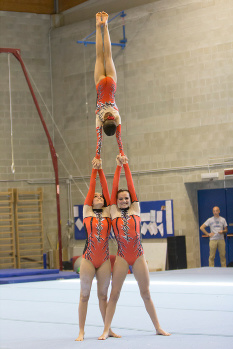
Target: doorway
207	199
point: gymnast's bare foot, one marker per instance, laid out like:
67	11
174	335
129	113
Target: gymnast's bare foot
104	18
112	334
80	337
99	19
161	332
104	336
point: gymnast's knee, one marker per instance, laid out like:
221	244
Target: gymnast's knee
102	296
115	296
84	297
145	294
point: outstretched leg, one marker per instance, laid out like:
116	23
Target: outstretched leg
141	273
120	271
87	273
99	64
110	69
103	276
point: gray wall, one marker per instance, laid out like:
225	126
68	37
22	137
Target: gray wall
175	96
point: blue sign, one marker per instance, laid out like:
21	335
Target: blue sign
79	231
157	219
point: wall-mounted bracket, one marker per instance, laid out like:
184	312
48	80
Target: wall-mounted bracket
122	42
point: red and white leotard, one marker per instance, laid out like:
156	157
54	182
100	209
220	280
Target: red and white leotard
97	224
106	90
126	222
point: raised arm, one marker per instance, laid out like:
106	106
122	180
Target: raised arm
130	184
115	184
91	192
99	133
104	186
119	141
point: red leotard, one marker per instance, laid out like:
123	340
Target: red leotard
106	90
97	224
126	223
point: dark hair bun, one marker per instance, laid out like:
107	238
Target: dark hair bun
109	127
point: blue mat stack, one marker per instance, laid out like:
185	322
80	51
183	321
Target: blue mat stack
11	276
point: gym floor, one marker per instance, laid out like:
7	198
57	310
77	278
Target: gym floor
195	305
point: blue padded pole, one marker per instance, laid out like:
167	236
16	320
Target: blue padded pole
45	260
124	38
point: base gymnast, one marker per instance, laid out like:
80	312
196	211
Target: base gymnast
125	215
97	223
107	114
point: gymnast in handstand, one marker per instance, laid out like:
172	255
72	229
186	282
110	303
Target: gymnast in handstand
97	223
125	215
107	114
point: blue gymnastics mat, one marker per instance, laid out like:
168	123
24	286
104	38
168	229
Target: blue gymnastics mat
195	305
10	276
4	273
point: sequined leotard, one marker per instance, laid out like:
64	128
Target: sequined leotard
126	222
106	90
97	224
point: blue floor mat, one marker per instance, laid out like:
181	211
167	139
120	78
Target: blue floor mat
31	275
4	273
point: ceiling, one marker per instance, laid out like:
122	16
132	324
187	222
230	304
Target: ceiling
38	6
